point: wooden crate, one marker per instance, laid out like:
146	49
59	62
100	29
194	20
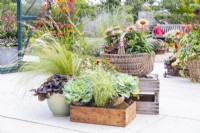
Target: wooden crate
103	116
149	93
147	104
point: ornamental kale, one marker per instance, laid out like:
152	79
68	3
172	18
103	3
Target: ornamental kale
126	84
78	91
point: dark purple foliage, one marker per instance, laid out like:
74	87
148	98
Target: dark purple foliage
54	84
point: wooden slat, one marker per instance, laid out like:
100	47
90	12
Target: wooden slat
150	83
147	108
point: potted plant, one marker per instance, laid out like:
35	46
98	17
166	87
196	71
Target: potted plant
159	46
8	39
189	53
102	92
51	90
128	50
174	67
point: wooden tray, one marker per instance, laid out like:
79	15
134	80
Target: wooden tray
103	116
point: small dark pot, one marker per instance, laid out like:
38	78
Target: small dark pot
161	51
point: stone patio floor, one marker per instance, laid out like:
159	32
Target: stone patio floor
22	113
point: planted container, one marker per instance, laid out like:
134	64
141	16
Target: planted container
103	116
8	56
194	69
58	106
138	64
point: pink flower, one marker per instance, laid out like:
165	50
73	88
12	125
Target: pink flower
142	22
119	31
188	46
129	28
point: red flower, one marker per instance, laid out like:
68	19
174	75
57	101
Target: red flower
108	59
176	47
72	1
97	62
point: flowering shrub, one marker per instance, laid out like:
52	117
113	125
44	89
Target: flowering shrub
135	39
174	37
57	17
8	25
191	46
8	29
112	39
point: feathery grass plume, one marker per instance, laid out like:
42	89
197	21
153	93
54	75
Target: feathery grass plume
54	58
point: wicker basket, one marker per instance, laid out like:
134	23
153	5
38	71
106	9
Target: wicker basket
194	69
134	64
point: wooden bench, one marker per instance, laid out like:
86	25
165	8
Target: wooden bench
168	27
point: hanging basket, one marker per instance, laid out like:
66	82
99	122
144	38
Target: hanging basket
135	64
194	69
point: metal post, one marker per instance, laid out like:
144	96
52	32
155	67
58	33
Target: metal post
19	23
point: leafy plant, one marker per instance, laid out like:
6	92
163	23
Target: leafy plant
102	85
137	43
191	46
53	85
157	44
126	84
112	40
78	90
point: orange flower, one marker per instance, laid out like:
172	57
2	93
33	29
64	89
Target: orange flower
191	29
66	9
187	24
44	7
70	31
108	63
59	2
178	34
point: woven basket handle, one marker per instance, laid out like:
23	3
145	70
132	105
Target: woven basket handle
121	49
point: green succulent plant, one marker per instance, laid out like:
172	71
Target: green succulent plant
126	84
78	90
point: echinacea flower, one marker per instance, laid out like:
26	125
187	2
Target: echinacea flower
142	22
130	28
